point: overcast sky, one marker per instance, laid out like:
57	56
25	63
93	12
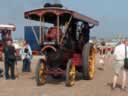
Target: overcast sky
112	14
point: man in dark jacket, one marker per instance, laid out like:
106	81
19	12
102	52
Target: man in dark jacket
9	59
86	31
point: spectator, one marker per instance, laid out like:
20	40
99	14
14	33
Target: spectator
26	55
9	59
119	55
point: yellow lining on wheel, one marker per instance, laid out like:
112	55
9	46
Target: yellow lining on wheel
91	63
72	75
42	74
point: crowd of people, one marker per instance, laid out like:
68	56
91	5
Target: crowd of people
10	59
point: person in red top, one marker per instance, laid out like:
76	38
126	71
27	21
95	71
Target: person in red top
52	34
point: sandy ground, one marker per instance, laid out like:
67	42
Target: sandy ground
25	84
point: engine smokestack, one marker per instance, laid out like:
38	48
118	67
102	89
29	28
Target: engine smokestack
53	3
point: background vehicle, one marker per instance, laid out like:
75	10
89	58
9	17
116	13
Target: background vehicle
6	33
65	46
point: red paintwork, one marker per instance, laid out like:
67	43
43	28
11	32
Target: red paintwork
76	59
55	72
35	52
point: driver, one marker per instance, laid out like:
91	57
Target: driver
86	31
52	34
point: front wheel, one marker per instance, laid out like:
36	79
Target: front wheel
70	73
88	61
40	73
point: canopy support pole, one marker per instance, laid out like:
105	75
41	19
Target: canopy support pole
35	35
40	37
67	24
66	28
43	28
34	32
58	28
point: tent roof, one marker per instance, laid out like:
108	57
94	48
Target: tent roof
7	27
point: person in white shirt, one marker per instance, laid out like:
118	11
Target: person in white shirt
26	55
119	56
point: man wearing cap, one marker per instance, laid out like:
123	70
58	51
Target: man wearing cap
9	59
119	55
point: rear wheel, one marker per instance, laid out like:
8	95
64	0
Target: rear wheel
40	74
70	73
88	61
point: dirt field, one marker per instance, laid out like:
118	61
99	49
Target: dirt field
25	84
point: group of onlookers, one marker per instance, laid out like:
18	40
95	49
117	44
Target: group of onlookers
10	59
